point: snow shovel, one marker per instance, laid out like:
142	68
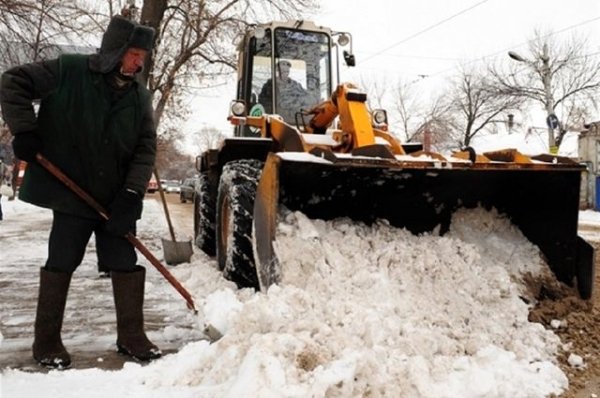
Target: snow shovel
56	172
174	252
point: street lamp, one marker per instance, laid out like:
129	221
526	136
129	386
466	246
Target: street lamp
546	75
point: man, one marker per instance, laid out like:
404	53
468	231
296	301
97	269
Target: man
95	122
291	96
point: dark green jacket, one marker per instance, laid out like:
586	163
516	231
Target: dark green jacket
103	143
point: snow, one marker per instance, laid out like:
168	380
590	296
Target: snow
532	142
589	217
361	311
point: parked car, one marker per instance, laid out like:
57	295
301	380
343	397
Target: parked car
187	190
171	186
152	185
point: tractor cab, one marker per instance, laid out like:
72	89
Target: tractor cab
285	68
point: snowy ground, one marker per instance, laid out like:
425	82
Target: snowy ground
363	311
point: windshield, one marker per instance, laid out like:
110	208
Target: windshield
301	72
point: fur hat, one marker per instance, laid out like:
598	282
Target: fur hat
120	35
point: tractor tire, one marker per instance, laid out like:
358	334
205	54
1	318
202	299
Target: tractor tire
204	215
235	213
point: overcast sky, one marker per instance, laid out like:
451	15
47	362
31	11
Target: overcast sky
409	38
412	38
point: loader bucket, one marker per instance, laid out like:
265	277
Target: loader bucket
541	198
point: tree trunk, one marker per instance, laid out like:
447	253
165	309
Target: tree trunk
152	15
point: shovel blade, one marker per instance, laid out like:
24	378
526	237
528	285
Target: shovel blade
177	252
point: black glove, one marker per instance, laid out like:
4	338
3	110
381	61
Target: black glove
26	145
124	211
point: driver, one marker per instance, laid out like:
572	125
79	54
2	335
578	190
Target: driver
291	96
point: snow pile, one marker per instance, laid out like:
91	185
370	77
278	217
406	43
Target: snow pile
361	311
533	142
377	311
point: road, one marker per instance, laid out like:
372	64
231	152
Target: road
89	330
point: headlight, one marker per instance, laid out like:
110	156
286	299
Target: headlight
238	108
380	116
259	32
343	40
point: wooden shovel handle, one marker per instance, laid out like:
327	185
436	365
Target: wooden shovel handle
56	172
161	192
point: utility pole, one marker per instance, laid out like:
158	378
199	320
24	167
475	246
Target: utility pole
547	82
546	75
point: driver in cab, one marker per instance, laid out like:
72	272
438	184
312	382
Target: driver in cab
291	96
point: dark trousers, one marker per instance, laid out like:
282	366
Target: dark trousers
69	237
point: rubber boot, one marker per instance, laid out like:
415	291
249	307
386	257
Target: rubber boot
128	290
48	349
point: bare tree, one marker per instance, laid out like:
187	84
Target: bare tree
575	114
408	110
173	156
376	88
170	160
208	137
36	30
20	36
437	121
563	77
476	103
195	45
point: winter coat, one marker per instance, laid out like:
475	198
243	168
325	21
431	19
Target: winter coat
103	142
291	98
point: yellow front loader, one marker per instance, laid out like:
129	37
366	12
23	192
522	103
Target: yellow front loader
324	153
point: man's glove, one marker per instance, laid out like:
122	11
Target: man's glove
26	145
124	211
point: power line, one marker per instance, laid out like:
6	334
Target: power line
425	30
576	25
412	56
504	50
